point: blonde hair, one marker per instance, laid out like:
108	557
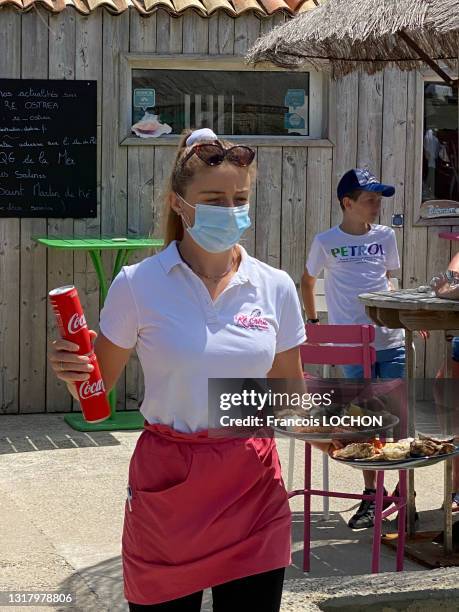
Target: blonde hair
180	177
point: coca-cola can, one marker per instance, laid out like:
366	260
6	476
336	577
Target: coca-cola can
73	327
70	317
92	394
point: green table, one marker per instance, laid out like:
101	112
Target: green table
117	420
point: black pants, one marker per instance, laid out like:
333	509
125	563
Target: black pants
257	592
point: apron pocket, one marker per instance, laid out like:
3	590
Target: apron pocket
157	525
157	467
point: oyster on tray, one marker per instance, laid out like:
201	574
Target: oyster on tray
356	450
395	451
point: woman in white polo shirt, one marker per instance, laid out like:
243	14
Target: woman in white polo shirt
202	512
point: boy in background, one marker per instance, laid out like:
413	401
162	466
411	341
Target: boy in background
358	257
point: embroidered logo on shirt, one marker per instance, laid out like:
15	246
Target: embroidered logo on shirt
252	321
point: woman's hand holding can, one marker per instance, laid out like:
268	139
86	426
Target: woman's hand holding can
68	365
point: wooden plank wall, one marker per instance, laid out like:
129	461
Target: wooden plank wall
377	121
373	120
10	240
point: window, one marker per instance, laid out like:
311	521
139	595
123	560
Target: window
230	102
440	164
165	94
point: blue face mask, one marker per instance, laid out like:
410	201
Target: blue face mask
218	228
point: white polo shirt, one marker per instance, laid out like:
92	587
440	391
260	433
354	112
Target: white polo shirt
183	338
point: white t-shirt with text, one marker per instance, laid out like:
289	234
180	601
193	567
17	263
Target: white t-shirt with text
355	265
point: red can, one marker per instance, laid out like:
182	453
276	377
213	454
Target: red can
92	394
70	317
73	327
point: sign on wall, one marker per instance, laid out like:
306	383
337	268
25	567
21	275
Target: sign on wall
48	148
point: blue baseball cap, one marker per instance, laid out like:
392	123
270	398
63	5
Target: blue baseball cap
362	180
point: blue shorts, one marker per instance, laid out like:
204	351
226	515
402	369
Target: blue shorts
390	363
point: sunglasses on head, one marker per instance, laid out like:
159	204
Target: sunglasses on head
215	154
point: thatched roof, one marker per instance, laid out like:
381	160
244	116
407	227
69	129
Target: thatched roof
363	34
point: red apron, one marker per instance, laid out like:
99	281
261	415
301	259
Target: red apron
203	512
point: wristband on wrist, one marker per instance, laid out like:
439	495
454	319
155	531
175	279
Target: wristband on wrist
312	321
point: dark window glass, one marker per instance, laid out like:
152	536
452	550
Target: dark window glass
229	102
440	170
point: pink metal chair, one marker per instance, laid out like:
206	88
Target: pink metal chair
350	345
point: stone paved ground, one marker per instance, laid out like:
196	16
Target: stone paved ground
62	496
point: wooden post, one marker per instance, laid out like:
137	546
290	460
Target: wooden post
448	464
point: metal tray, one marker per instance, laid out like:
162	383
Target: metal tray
403	464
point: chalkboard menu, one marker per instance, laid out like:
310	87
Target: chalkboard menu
48	148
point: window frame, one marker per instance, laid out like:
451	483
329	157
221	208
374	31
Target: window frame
427	74
318	97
